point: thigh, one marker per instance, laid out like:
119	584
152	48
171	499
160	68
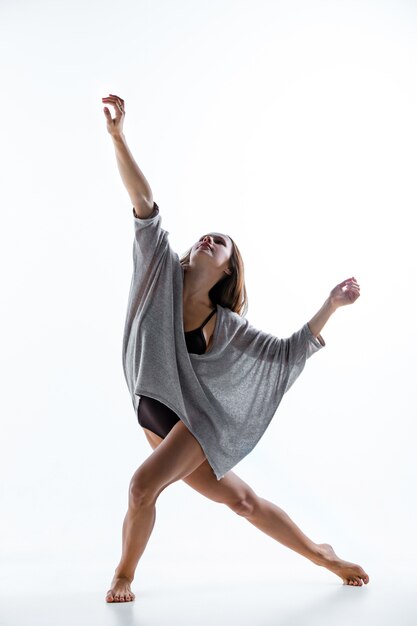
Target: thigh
174	458
230	490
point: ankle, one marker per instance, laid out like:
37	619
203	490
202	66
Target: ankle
120	573
320	557
323	555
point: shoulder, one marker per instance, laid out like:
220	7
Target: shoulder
233	319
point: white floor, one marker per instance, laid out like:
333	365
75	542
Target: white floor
305	594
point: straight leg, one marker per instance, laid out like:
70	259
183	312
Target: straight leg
268	517
276	523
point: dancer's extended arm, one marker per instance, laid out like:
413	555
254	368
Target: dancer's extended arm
345	292
135	182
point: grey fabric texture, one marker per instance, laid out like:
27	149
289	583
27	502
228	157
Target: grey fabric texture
227	396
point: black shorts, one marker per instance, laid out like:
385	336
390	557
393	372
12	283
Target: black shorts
156	416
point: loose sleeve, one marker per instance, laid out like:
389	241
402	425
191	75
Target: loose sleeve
296	349
150	242
274	363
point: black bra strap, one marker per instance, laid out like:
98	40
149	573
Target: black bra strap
200	327
207	318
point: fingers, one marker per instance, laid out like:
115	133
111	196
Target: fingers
113	96
353	288
350	288
117	105
350	283
117	102
348	280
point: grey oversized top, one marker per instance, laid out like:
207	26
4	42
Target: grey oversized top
227	396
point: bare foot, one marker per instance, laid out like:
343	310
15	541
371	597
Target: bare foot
350	573
120	590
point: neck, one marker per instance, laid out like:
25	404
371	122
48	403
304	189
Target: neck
196	288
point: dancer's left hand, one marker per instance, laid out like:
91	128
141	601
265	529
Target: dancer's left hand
346	292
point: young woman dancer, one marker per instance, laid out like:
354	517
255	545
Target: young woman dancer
204	382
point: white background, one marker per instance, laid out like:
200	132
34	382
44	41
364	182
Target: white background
292	127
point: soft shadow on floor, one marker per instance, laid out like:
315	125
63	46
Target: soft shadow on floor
185	603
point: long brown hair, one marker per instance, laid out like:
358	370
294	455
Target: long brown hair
229	291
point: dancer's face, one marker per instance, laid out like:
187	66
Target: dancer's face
214	248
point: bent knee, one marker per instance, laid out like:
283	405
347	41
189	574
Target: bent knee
142	493
244	506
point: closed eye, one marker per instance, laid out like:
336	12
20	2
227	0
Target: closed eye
216	239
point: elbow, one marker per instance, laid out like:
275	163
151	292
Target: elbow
143	206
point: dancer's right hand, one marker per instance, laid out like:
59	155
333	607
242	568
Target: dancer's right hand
115	125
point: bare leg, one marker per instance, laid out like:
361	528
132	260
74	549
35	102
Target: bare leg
272	520
277	524
137	528
266	516
178	455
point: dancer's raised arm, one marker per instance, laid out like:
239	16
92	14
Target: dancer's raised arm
135	182
345	292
